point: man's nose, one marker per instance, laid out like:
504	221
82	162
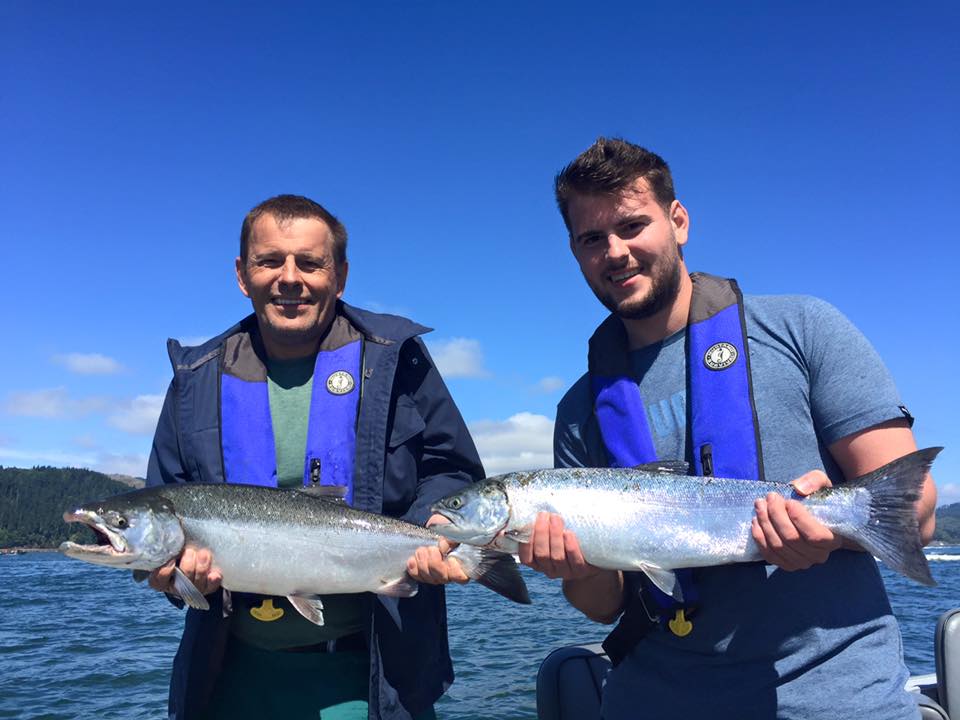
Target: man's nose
616	247
289	275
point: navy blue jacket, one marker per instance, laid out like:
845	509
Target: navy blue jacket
412	448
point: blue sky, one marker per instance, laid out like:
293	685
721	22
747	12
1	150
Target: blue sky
814	145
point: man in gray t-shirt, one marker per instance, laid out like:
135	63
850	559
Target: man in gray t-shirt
810	634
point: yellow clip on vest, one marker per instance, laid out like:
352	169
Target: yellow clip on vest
680	626
267	612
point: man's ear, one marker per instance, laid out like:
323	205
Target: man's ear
680	220
342	272
241	276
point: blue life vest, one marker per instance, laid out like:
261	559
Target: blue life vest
249	455
723	433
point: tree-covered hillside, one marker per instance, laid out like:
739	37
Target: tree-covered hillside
948	524
32	503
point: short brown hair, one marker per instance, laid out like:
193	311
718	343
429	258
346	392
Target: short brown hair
295	207
608	167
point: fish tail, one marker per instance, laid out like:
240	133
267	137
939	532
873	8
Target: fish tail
495	570
891	532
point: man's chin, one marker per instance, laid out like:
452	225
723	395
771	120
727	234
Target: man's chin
294	335
630	309
290	332
638	310
642	306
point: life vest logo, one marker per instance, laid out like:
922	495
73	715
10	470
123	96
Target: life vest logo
720	356
340	382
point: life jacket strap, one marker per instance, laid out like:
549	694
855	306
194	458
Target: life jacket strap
721	418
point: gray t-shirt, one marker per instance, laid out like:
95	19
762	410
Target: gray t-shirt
766	643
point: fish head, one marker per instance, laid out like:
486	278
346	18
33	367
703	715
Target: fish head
477	513
137	530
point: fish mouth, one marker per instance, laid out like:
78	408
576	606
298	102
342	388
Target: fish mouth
441	508
453	531
110	545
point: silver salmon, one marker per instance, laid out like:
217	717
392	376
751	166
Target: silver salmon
654	518
274	542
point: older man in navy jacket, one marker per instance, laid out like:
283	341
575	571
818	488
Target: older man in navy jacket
310	390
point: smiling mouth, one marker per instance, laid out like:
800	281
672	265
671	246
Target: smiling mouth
624	275
291	302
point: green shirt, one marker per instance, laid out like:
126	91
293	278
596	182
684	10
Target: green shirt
290	383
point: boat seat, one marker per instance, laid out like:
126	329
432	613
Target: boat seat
570	678
946	650
930	710
569	683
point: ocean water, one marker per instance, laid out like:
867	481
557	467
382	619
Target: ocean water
80	641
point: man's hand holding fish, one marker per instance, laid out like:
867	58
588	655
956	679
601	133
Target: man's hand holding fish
728	580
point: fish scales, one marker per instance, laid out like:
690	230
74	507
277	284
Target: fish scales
673	522
284	543
654	519
272	542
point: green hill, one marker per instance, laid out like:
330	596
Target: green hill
32	503
948	524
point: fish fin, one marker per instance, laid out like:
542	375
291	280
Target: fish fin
520	534
506	544
666	467
331	493
892	532
392	606
404	586
310	606
188	591
495	570
665	580
140	575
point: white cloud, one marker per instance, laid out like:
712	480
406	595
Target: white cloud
379	307
550	384
89	363
137	416
131	464
458	357
522	442
193	340
51	403
948	493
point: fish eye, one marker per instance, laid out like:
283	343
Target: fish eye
456	502
122	522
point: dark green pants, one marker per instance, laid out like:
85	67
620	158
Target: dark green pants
257	683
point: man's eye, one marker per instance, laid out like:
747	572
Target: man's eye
632	229
588	240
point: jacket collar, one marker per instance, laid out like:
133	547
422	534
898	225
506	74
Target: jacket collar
379	328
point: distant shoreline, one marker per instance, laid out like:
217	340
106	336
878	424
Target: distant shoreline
18	550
